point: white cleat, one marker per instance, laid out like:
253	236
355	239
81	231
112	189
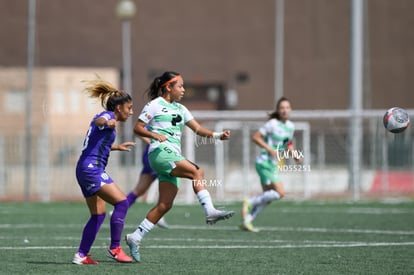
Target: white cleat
218	215
133	247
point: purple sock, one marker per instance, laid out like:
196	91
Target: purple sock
90	231
131	198
117	222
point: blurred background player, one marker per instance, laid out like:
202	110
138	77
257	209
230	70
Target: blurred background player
166	118
146	178
275	135
97	186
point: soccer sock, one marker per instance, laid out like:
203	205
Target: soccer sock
117	223
255	211
205	200
90	231
131	198
265	197
145	227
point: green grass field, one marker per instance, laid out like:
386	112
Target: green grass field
310	237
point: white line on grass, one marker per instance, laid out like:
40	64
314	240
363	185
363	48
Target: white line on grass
347	210
299	229
229	228
316	245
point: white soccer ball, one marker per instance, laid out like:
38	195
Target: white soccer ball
396	120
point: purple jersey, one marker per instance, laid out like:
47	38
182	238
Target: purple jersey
97	143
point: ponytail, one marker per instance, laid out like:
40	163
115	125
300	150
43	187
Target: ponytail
154	90
109	95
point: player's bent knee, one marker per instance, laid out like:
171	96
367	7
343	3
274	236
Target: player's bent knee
280	190
199	173
273	194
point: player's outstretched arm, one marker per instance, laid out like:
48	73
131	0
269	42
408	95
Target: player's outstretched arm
123	146
204	132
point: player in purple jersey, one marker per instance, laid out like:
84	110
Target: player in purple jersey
97	186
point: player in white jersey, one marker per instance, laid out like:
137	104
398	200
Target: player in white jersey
274	136
165	119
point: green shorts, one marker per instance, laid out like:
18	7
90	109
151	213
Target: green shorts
163	160
268	173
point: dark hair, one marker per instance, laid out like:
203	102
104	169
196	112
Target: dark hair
109	95
158	86
275	113
117	98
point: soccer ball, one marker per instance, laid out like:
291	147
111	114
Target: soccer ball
396	120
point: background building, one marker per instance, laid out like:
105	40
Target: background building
214	41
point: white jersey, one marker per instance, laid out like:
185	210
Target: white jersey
167	119
277	135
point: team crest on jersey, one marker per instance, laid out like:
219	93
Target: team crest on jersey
105	176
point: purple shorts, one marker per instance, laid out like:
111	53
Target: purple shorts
91	179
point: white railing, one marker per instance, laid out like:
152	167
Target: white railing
322	135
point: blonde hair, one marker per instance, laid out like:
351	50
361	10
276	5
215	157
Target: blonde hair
109	95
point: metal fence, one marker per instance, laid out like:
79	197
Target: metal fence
321	138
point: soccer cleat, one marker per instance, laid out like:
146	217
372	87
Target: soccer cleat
118	255
83	260
247	206
248	226
133	247
218	215
162	223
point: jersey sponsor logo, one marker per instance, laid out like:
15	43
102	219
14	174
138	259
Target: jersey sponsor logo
176	118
